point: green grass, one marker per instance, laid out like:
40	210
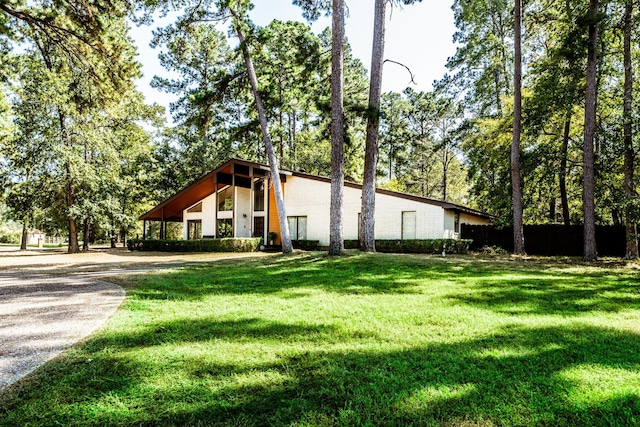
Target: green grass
360	340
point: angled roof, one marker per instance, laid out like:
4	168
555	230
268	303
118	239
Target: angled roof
172	208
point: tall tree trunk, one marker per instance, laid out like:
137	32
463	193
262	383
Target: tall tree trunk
281	123
367	235
588	159
516	186
23	238
629	153
85	233
336	240
564	200
285	237
73	247
445	160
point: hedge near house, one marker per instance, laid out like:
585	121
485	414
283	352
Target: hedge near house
227	244
424	246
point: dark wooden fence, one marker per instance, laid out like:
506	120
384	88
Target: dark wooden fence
548	239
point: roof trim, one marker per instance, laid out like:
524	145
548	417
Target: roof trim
445	205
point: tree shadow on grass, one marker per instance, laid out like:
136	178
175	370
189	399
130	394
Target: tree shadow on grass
553	295
507	287
517	376
356	274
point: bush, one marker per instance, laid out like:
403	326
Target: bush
227	244
424	246
493	250
9	236
351	244
306	245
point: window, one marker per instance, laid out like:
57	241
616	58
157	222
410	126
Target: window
408	225
225	228
298	227
225	199
194	229
258	226
196	208
258	195
456	223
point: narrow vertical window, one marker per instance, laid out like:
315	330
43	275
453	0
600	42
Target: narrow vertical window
225	228
194	229
408	225
258	195
225	199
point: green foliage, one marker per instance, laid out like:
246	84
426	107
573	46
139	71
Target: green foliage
227	244
420	150
424	246
306	245
493	250
359	340
80	152
351	244
10	235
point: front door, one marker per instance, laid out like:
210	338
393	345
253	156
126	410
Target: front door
258	226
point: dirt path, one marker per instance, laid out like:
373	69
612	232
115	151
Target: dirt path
49	300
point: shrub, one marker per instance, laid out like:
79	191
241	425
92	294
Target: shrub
10	235
351	244
227	244
306	245
424	246
493	250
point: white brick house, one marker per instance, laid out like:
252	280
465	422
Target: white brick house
236	200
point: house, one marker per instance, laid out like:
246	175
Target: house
35	237
236	200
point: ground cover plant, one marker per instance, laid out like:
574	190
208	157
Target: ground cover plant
371	339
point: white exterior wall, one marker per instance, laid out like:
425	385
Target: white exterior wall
207	216
34	238
429	218
312	198
449	225
242	209
473	220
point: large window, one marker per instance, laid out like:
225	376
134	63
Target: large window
196	208
456	223
408	225
225	199
194	229
225	228
298	227
258	195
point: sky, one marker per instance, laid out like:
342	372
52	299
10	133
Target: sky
418	36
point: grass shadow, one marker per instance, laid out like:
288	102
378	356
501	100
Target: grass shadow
519	376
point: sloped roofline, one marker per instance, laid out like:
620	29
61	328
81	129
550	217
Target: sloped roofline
442	204
152	214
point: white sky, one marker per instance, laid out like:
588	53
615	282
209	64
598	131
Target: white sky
419	36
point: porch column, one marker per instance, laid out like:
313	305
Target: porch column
162	234
235	201
215	214
251	199
144	229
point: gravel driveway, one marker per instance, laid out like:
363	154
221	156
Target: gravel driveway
40	316
50	300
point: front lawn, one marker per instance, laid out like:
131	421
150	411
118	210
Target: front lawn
362	340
